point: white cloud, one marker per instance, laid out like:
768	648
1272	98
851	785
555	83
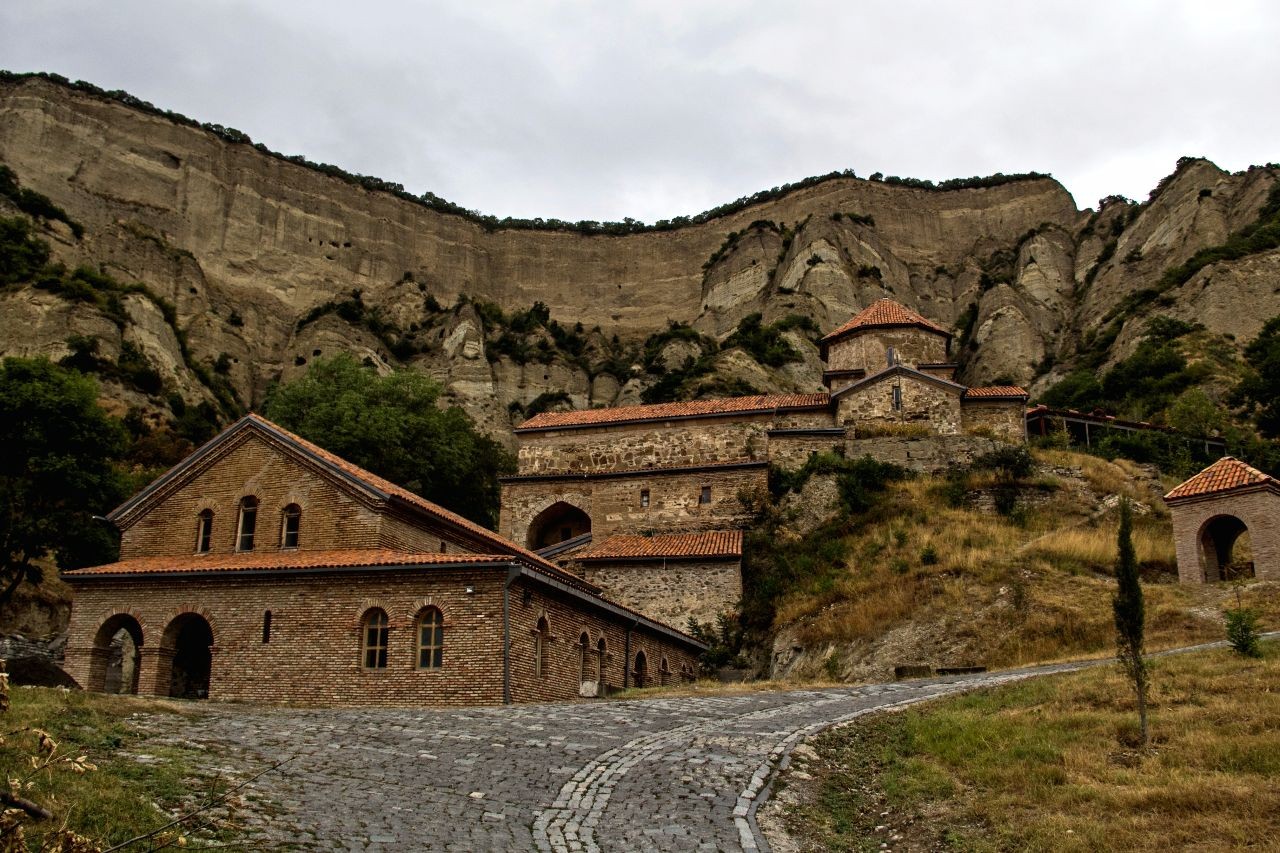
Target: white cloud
602	110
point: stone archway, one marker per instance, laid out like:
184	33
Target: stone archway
641	670
556	523
189	639
116	648
1225	552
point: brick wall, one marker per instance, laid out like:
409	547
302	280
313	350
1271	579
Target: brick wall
614	503
923	403
867	350
1003	419
673	591
1258	510
314	653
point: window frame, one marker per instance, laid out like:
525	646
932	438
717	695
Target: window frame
204	531
584	649
704	496
266	627
293	513
897	398
430	618
541	636
248	508
373	646
644	498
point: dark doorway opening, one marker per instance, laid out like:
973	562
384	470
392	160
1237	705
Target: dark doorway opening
191	639
557	523
1225	547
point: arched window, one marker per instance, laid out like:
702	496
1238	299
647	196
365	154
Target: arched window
664	672
247	523
540	637
601	651
641	670
584	654
290	524
430	638
373	636
204	531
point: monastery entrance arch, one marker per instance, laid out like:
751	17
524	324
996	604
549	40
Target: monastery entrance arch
556	523
116	647
190	639
1225	550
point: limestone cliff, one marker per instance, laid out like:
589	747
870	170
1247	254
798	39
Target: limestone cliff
257	255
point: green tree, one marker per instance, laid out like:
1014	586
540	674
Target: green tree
1260	389
393	426
1130	616
56	472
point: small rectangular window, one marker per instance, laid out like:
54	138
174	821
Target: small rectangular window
705	497
292	523
444	547
897	397
644	497
890	356
266	627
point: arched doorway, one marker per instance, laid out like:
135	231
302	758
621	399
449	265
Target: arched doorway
116	644
642	668
556	523
1225	549
190	638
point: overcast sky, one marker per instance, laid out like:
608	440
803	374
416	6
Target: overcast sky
603	110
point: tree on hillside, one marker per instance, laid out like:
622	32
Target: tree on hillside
393	426
1130	616
56	472
1260	389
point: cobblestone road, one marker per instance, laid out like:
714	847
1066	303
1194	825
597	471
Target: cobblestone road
653	774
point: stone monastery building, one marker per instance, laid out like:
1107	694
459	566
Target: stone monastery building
643	500
264	568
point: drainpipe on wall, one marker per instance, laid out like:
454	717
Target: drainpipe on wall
513	572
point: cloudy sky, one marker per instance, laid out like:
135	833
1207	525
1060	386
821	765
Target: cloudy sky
584	110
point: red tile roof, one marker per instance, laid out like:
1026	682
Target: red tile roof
995	391
885	312
1224	475
664	411
717	543
282	561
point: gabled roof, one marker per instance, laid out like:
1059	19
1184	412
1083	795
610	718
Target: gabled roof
903	371
1226	475
996	392
283	561
884	313
688	546
672	411
352	475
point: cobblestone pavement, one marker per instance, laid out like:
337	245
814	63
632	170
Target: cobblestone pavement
653	774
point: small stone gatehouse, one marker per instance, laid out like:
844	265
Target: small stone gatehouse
264	568
1213	509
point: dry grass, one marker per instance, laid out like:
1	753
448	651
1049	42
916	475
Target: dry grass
987	589
1051	764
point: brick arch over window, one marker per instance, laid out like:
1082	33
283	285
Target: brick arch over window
558	521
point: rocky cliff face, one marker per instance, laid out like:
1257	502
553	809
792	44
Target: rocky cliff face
249	248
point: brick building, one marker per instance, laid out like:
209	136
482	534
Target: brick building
1213	510
264	568
591	483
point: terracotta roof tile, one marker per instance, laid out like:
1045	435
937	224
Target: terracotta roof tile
717	543
995	391
885	312
662	411
1225	474
281	561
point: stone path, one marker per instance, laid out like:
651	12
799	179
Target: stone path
655	774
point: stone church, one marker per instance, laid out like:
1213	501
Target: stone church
643	500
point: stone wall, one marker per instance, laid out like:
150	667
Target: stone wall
662	444
615	506
671	591
929	455
923	403
1004	419
1258	510
792	451
313	656
868	350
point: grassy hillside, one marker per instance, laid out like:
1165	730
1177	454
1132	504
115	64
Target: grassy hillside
981	568
1050	764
